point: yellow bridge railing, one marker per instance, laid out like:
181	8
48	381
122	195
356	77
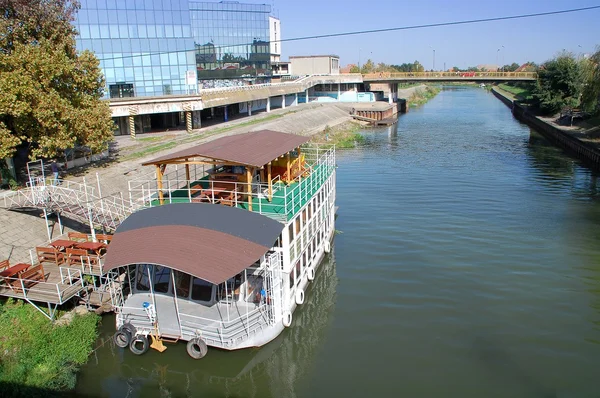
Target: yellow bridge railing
450	75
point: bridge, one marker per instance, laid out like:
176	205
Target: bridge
479	77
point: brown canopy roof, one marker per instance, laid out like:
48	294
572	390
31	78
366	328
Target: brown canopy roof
252	149
211	242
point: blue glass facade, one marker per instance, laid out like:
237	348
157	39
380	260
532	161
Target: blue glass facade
147	46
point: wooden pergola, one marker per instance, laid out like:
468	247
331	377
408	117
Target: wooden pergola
252	151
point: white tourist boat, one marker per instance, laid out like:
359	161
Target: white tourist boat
230	237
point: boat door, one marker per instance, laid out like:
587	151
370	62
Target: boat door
167	309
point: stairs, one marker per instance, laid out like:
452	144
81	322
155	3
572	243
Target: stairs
77	200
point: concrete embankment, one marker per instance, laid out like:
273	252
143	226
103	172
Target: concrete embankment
584	151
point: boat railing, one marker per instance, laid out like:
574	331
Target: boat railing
281	202
70	284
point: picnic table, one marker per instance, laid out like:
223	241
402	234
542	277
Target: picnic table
14	270
210	194
95	247
62	244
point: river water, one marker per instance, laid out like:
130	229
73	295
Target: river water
467	264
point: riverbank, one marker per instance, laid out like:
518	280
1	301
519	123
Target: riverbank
38	357
343	136
583	142
423	95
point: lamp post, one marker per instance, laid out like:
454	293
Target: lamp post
502	59
359	60
497	52
433	65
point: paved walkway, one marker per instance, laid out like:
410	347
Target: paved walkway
21	232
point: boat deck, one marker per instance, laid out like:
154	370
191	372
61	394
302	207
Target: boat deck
287	199
220	315
56	289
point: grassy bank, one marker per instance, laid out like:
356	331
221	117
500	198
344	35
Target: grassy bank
421	96
36	355
162	143
343	136
522	93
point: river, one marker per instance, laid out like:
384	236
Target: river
467	264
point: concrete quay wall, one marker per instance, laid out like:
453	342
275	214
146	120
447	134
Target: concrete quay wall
582	150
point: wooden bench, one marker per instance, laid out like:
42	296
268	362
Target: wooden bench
49	255
78	236
79	257
230	198
105	238
29	278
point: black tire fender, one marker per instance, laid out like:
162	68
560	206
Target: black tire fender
197	348
136	341
122	338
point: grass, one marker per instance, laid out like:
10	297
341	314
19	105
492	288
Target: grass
36	355
420	97
520	93
344	136
194	137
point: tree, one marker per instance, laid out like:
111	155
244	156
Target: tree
354	69
558	84
368	67
511	68
50	95
590	73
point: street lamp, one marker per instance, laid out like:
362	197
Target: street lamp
497	52
433	66
359	60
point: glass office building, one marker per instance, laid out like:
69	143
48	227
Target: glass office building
149	47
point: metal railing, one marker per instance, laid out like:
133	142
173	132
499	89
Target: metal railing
285	201
80	200
453	75
35	290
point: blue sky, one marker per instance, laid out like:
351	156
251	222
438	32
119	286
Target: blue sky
531	39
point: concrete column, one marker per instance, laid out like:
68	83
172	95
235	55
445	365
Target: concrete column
212	113
249	105
196	120
132	126
226	116
307	96
339	92
283	102
188	122
296	100
268	104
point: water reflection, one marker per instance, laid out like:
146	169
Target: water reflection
273	370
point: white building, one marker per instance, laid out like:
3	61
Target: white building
274	38
315	65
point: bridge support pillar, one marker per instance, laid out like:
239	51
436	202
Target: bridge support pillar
339	92
249	105
307	96
212	113
268	104
390	97
196	120
132	126
225	115
188	122
296	100
283	101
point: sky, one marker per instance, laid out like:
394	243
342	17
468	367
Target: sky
500	42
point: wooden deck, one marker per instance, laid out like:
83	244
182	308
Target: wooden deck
53	290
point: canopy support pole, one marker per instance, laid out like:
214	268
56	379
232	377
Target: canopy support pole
187	177
270	182
249	187
160	184
289	176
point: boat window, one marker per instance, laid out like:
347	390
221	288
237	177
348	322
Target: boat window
233	288
254	286
162	275
182	283
201	290
142	282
